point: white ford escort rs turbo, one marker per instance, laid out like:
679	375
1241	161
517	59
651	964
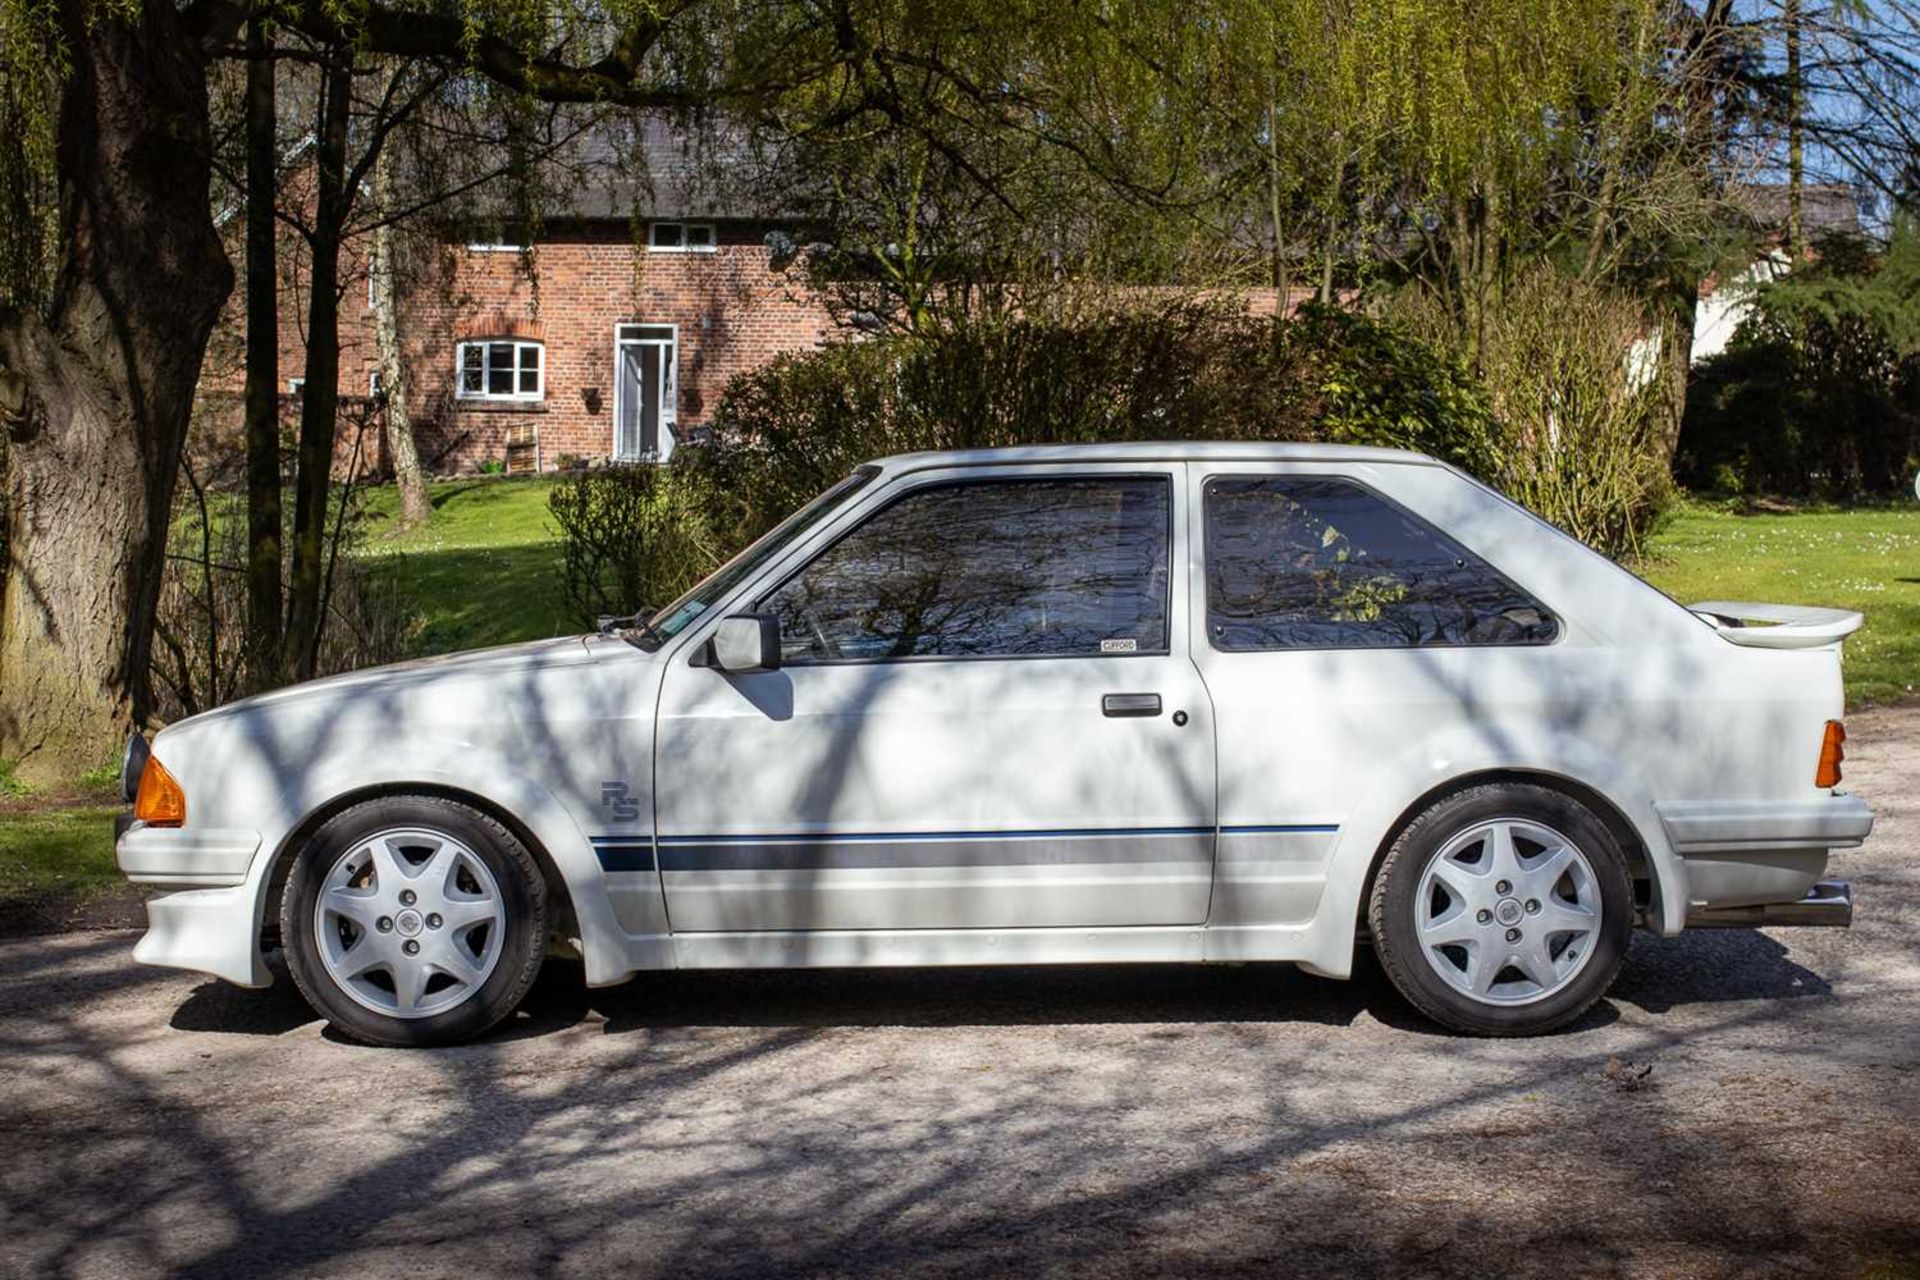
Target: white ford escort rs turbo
1127	703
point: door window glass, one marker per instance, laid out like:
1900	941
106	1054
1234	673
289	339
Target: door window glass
1298	562
1012	568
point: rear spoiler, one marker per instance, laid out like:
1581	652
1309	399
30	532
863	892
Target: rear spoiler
1788	626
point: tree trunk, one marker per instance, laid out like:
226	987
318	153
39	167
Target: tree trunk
1796	140
321	393
415	505
1682	308
1280	282
263	656
97	385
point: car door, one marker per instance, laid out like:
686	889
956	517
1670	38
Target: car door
985	717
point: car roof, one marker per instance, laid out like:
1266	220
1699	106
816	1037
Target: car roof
1154	451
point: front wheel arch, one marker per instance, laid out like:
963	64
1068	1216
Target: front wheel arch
562	921
1646	879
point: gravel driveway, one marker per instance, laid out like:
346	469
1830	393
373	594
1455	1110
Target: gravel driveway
1745	1103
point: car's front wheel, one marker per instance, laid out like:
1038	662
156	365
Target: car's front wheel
1503	910
414	920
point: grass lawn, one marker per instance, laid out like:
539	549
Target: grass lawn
56	864
1866	559
66	851
485	570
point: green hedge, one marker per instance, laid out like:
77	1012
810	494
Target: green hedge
1185	372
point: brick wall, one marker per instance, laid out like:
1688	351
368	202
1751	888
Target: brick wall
733	313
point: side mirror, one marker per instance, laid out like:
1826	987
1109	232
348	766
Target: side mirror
747	642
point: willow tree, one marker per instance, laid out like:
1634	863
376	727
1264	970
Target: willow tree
1508	129
1010	156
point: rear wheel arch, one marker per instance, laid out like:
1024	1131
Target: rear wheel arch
1646	878
562	920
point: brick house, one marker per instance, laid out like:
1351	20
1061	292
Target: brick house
590	347
609	339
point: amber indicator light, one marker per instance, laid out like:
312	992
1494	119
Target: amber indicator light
1833	749
161	802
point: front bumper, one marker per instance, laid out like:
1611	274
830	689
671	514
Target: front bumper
1752	863
213	926
208	931
189	857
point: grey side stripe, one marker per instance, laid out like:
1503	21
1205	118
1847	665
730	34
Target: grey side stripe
803	854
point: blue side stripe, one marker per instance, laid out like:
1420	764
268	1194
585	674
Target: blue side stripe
1042	833
623	853
1314	828
631	853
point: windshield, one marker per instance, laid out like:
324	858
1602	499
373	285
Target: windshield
675	618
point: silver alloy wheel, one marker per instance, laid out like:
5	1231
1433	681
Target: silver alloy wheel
410	922
1508	912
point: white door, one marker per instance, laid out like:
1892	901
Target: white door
644	392
986	717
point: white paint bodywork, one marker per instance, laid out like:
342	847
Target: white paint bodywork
870	793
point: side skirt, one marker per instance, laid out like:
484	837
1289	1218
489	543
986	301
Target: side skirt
926	948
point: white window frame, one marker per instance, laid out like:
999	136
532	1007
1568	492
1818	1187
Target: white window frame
627	333
480	247
516	396
653	237
296	385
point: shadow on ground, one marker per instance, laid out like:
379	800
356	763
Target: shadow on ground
1153	1120
1660	975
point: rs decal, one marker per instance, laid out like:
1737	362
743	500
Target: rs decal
617	799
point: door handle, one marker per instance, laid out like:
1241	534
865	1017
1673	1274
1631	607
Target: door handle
1130	704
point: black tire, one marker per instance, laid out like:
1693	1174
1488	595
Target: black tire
522	892
1393	909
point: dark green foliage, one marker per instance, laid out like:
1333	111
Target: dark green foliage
1819	392
629	540
1183	372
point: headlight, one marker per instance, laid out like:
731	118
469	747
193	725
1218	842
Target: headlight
132	765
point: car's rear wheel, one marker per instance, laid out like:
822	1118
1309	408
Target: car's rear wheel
1503	910
414	920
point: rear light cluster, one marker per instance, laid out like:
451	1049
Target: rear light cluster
1833	749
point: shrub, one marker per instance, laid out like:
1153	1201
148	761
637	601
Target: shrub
200	628
1585	418
630	539
782	433
1818	394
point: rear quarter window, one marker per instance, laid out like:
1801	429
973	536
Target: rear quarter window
1301	562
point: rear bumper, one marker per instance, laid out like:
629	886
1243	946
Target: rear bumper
1761	862
1729	826
1829	904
